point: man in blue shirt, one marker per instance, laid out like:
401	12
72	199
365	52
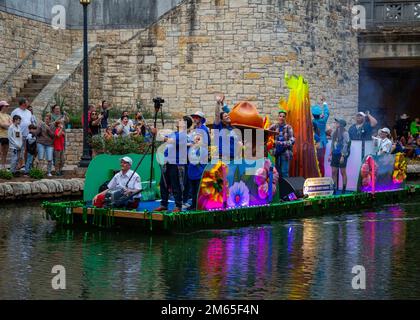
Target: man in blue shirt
362	129
320	122
173	172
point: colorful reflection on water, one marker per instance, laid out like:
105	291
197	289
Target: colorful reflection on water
308	258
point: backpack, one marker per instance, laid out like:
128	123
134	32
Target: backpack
31	147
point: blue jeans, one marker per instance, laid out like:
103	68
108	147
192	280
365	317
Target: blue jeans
29	161
282	165
14	160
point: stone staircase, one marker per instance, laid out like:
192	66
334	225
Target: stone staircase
31	89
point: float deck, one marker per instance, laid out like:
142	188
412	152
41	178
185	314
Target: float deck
77	214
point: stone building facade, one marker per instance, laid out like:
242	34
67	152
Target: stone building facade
240	47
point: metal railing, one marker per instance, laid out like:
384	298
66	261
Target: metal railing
391	12
18	67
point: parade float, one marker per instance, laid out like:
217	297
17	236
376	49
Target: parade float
238	193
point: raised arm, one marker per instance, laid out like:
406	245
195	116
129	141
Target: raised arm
219	103
373	122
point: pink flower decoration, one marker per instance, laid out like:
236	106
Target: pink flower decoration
262	179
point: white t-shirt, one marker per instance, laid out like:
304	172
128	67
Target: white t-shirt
120	180
26	117
384	146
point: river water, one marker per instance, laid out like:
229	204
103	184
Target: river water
309	258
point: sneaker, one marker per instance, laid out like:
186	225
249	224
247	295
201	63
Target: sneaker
186	206
160	209
176	210
49	175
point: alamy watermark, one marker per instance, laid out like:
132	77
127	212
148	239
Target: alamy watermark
58	21
359	280
358	17
58	282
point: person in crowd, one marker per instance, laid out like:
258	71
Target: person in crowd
59	138
126	114
58	114
108	134
105	114
173	172
26	116
124	129
340	151
31	148
402	129
138	130
196	167
383	144
34	121
126	179
222	125
417	149
15	143
284	142
138	119
95	123
320	122
415	127
45	140
362	129
5	123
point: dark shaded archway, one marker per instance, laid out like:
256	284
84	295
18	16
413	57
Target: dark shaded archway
389	88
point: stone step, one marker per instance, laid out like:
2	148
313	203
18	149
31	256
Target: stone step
41	77
35	85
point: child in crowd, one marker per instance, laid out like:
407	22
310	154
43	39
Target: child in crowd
59	137
14	135
30	147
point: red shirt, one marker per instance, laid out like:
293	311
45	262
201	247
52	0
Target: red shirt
58	140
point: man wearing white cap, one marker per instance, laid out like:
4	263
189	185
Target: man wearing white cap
126	179
362	129
383	144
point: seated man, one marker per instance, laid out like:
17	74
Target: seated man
124	180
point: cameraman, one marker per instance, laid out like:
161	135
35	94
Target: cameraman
119	181
362	129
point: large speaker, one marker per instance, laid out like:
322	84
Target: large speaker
291	188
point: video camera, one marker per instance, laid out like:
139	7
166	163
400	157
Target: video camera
158	101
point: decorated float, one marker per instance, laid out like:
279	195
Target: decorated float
237	193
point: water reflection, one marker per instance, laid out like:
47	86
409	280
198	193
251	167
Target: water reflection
295	259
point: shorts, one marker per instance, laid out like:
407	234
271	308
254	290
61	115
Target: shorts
4	141
335	161
45	152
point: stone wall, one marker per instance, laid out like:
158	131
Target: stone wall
19	36
240	47
74	146
41	189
